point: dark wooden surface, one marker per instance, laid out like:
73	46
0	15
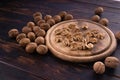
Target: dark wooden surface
15	64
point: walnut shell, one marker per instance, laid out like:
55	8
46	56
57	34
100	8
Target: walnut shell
45	26
31	24
47	17
95	18
57	18
40	40
68	17
13	33
99	10
31	47
111	62
23	42
62	14
20	36
31	36
104	21
37	14
99	67
26	29
42	49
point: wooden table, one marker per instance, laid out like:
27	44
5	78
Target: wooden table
16	64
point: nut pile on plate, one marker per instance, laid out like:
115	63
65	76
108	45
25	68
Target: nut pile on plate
32	36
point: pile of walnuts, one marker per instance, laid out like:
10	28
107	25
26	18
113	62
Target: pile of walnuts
32	36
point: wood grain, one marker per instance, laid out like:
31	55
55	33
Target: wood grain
15	14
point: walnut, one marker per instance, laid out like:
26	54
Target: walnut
57	18
72	26
51	22
68	17
40	22
31	36
111	62
37	18
95	18
44	26
41	32
26	29
37	14
58	31
66	42
40	40
31	47
58	39
93	40
62	14
104	21
99	67
89	46
23	42
117	35
47	17
100	36
31	24
13	33
42	49
73	46
36	29
20	36
84	27
99	10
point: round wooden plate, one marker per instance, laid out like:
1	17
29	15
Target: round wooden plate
102	49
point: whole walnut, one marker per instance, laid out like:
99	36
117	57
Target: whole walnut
31	47
45	26
47	17
62	14
99	67
99	10
20	36
31	36
13	33
57	18
42	49
68	17
51	22
40	40
111	62
26	29
95	18
23	42
31	24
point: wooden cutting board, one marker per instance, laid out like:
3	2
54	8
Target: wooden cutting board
102	49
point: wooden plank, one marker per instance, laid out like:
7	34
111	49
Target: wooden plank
48	66
8	72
